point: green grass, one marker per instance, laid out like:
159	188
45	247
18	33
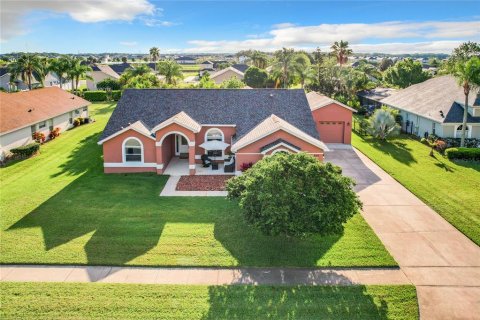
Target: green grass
450	188
128	301
188	67
60	208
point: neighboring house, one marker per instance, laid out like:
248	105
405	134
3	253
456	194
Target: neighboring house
99	73
40	110
18	84
207	65
241	67
226	74
375	96
120	68
53	80
185	60
332	118
149	127
436	106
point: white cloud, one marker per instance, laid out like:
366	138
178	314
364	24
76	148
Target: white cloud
86	11
129	43
430	36
153	22
283	25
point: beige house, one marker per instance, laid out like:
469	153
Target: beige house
40	110
99	73
226	74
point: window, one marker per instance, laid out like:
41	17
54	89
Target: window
133	150
85	109
50	124
42	125
214	134
70	117
433	127
77	111
33	129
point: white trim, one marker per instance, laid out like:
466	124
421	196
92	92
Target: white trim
173	120
218	73
198	157
333	102
192	166
223	140
160	166
218	125
122	131
283	145
191	143
307	138
123	150
129	165
159	143
237	173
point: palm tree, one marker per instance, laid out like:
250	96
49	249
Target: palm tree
171	70
284	65
77	70
259	59
25	66
135	70
154	55
306	75
341	51
467	74
60	67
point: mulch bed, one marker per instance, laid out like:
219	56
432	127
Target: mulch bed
202	183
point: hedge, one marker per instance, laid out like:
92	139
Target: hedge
95	96
26	150
116	95
463	153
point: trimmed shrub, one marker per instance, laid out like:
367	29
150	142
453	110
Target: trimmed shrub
108	84
116	95
463	153
95	96
54	133
245	166
469	142
77	122
27	150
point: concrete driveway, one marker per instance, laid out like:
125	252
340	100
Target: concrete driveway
442	263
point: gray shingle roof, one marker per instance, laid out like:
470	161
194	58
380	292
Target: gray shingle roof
244	108
241	67
432	96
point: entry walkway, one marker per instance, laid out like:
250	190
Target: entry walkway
207	276
442	263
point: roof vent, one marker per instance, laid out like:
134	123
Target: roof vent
441	114
30	110
271	95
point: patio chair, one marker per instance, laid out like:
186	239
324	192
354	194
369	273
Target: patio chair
229	166
206	162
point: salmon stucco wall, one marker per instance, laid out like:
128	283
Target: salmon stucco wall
334	113
112	149
168	149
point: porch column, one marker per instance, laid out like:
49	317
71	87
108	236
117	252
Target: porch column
191	157
159	158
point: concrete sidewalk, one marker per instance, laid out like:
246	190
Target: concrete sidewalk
206	276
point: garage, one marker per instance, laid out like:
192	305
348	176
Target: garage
332	131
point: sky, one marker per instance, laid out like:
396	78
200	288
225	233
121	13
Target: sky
134	26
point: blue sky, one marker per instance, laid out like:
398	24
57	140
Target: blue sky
133	26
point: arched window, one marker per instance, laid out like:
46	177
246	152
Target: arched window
132	150
458	131
214	134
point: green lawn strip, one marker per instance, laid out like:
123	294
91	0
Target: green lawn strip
188	67
63	209
451	188
131	301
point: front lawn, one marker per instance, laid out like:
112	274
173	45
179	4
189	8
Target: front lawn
450	188
129	301
60	208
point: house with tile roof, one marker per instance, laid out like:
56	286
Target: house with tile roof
99	73
226	74
436	106
39	110
150	128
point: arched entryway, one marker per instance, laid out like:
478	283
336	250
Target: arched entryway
175	150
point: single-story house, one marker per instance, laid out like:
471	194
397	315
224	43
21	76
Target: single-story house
51	80
226	74
150	127
207	65
120	68
41	110
185	60
99	73
436	106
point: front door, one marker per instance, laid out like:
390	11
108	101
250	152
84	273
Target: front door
181	144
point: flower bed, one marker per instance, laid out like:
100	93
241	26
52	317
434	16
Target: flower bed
202	183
